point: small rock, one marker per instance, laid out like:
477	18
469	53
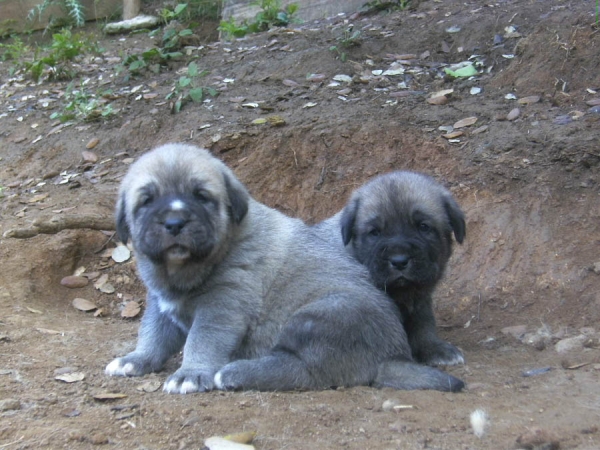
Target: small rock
141	21
593	102
10	404
98	439
89	157
73	282
570	344
466	122
513	114
529	100
538	438
516	331
596	268
453	135
83	304
480	129
439	100
594	110
92	143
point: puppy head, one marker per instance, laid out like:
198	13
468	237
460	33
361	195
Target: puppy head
178	204
400	226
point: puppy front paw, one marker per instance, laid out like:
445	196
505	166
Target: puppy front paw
440	353
132	365
186	381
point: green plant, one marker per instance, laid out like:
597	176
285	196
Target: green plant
82	105
386	5
347	39
192	10
151	60
167	15
15	50
271	15
73	9
64	48
187	88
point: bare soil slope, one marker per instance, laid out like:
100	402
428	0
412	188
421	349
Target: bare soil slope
529	187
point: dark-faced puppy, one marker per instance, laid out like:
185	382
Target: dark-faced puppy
400	226
255	299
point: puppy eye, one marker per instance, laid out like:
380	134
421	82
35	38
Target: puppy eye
200	194
145	200
374	232
424	227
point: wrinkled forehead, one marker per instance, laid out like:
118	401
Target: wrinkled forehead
400	198
172	172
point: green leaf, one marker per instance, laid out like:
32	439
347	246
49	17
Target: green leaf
212	92
177	106
185	32
180	8
184	81
197	94
192	69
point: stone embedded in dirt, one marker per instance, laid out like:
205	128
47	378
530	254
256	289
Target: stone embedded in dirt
513	114
480	129
596	268
245	437
316	77
439	100
10	404
529	100
92	143
64	370
571	344
219	443
593	102
72	377
388	405
536	372
138	22
74	281
466	122
84	305
98	439
538	438
516	331
89	157
131	309
290	83
149	386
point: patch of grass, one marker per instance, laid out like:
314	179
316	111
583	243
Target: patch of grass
187	88
271	15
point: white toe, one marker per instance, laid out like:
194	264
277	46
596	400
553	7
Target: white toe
218	380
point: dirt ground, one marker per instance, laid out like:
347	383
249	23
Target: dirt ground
522	293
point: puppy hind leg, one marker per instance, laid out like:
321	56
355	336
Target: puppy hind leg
407	375
279	371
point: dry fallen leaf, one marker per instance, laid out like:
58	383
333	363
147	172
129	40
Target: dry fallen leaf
453	135
100	281
467	122
529	100
130	310
72	377
121	253
38	198
84	305
109	396
149	386
35	311
241	438
513	114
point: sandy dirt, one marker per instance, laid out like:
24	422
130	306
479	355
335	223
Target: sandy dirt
522	293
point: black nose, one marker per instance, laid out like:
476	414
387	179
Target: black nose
399	261
174	225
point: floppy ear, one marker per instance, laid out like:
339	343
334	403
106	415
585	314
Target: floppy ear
456	218
238	198
347	220
122	226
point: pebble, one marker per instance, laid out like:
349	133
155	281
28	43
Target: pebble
529	100
388	405
513	114
89	157
73	282
570	344
439	100
92	143
219	443
537	438
594	110
516	331
10	404
98	439
593	102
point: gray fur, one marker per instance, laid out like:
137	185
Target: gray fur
255	299
400	226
